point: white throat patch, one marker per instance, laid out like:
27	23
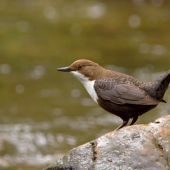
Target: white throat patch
89	85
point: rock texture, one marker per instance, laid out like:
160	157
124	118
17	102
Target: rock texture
137	147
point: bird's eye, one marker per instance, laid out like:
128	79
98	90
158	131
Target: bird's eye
80	66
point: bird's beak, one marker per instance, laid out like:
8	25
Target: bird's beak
64	69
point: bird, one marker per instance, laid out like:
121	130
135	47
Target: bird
119	93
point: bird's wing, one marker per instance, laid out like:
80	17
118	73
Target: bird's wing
120	93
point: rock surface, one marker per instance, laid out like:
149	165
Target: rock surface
137	147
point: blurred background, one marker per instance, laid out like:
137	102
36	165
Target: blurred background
45	113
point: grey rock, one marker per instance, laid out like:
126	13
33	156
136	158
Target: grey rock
137	147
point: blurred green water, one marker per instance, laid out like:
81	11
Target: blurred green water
45	113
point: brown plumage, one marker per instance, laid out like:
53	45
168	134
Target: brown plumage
118	93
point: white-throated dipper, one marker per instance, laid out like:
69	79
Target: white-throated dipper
118	93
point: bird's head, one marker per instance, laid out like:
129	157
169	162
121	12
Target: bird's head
83	69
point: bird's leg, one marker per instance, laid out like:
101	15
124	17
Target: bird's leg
124	124
134	120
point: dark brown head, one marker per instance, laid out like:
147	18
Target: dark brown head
85	68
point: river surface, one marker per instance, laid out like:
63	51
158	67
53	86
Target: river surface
45	113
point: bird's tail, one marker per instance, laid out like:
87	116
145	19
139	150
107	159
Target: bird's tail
161	85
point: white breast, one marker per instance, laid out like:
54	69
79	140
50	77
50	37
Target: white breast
89	85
